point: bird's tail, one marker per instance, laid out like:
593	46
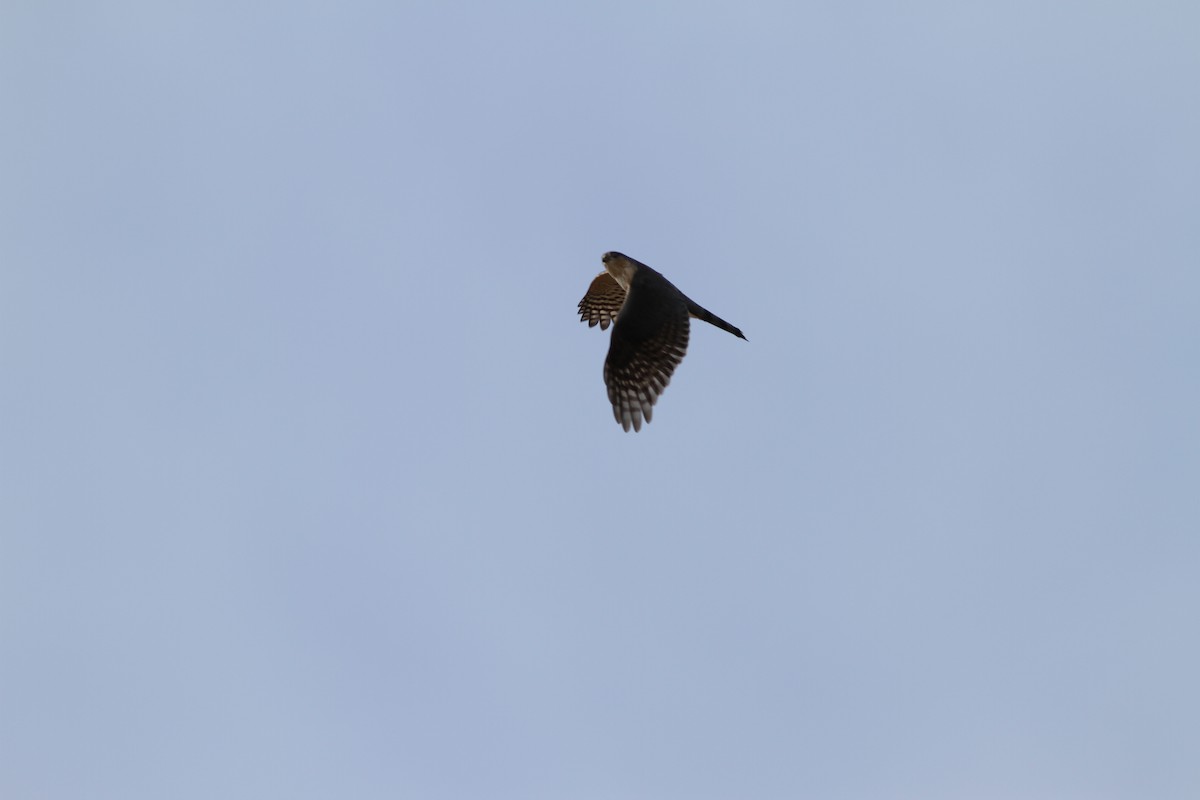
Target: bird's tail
699	312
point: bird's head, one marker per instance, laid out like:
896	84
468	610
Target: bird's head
621	267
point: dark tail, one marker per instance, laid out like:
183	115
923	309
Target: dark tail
712	319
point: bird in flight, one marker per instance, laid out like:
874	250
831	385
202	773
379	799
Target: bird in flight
650	336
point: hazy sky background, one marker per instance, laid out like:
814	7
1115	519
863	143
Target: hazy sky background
309	486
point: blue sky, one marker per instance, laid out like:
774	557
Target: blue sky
309	486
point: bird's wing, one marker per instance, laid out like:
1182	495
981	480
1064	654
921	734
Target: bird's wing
602	302
646	348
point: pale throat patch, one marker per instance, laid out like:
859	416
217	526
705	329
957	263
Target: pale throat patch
622	271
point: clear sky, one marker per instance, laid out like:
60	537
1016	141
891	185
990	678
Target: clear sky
309	486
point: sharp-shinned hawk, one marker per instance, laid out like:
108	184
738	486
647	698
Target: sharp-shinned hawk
650	336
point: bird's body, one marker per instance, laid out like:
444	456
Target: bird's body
650	334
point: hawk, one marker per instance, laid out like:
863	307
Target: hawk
650	336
